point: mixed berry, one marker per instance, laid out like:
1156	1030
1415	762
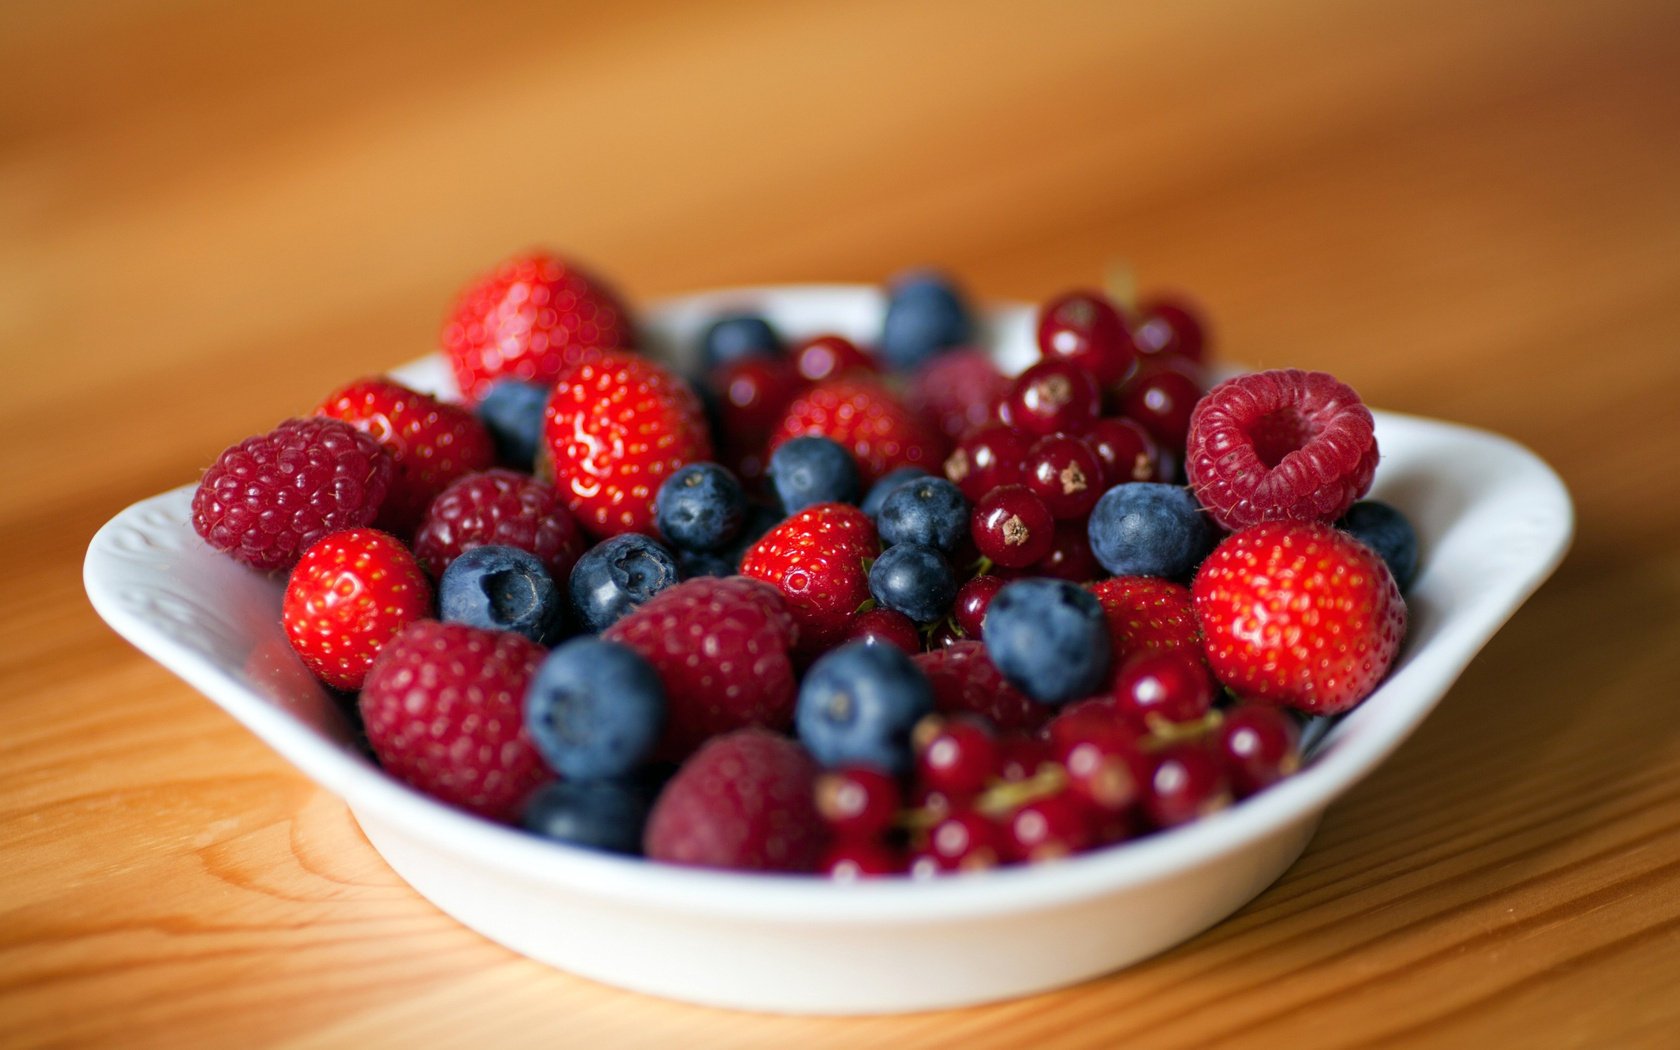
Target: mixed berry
821	606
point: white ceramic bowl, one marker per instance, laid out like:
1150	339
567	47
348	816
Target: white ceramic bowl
1494	522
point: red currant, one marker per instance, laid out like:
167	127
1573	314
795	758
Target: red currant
965	840
1019	757
1085	328
1067	474
1166	683
1070	557
1127	451
885	627
1258	746
985	458
955	755
1105	762
752	393
1170	326
851	859
1012	527
1161	396
944	633
827	356
973	599
857	802
1185	784
1046	829
1054	396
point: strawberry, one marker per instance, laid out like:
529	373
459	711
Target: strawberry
1298	614
721	648
616	427
1146	612
816	560
964	679
443	707
865	418
532	318
431	442
347	596
744	801
501	507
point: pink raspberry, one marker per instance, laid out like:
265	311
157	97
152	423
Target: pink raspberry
959	390
721	648
1280	446
745	801
267	499
502	508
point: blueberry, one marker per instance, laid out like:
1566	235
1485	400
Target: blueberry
701	507
616	575
889	483
594	709
925	315
810	470
597	814
691	564
1386	531
929	511
503	589
738	336
915	580
1145	528
512	410
858	703
1049	638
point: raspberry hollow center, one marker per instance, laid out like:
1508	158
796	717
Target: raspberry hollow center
1276	434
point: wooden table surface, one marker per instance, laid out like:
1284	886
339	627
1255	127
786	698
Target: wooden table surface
211	214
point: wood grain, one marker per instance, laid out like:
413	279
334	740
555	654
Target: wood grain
211	214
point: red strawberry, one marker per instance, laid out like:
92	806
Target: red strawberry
721	649
501	507
960	390
864	417
1145	612
443	706
816	560
616	427
432	443
533	317
266	499
965	679
348	595
1299	614
744	801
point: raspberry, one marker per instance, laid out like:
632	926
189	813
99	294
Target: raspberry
432	443
266	499
1281	445
720	646
348	595
866	419
964	679
530	319
815	559
743	801
443	707
616	427
501	508
960	390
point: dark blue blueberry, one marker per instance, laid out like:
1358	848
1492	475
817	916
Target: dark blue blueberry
926	314
1145	528
605	815
915	580
616	575
929	511
512	410
735	337
701	507
503	589
594	709
691	564
1386	531
810	470
1049	638
858	703
889	483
